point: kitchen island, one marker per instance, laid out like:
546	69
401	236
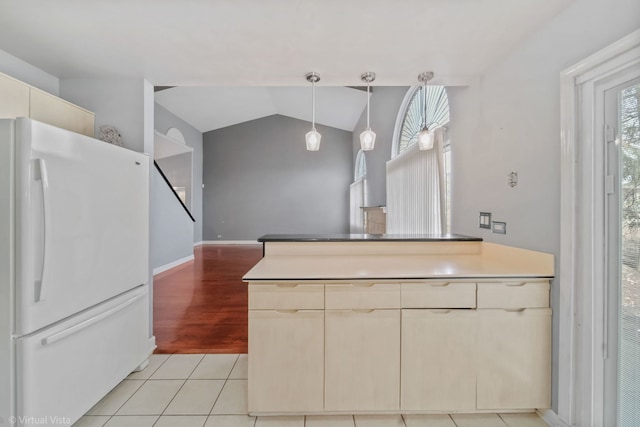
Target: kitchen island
398	324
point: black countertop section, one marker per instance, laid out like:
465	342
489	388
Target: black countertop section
367	238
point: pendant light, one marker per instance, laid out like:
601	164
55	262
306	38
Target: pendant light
313	137
425	137
368	137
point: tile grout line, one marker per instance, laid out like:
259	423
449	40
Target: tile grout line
223	386
181	386
144	381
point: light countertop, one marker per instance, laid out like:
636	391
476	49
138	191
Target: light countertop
490	260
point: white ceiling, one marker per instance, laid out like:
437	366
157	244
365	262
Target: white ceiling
240	43
208	108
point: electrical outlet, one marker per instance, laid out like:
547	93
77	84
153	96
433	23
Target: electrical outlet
484	220
499	227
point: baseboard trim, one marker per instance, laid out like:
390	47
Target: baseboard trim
231	242
170	265
152	344
551	418
200	243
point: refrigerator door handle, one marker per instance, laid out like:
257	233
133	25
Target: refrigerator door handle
46	212
85	324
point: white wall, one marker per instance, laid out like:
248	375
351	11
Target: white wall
27	73
118	102
164	120
510	121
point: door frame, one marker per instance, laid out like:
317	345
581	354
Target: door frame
582	258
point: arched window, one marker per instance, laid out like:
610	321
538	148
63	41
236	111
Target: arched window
361	167
418	183
410	116
358	194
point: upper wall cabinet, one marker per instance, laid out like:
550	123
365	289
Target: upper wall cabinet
14	98
18	99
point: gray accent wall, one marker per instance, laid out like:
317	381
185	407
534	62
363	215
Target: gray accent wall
164	120
260	179
385	103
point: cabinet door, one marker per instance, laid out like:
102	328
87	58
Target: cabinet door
52	110
286	355
514	359
362	360
438	360
14	98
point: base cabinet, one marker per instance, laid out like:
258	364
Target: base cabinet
362	360
417	346
286	360
514	364
438	360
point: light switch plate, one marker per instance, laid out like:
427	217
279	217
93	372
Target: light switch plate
499	227
484	220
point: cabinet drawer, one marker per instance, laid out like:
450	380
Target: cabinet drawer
438	295
362	296
513	294
286	296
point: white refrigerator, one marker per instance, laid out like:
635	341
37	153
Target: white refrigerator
74	271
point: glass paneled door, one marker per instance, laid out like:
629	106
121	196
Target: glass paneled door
622	183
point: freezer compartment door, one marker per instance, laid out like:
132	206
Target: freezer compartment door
64	370
82	220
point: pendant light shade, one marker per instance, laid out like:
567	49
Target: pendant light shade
425	139
313	137
368	137
426	136
367	140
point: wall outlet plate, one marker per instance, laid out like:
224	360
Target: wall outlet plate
499	227
484	220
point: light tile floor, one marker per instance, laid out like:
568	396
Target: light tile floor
195	390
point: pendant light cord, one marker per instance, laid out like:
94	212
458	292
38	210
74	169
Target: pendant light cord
424	103
368	100
313	105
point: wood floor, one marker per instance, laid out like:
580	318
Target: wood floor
201	306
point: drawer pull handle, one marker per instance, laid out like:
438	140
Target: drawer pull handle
515	310
287	311
287	285
514	284
441	311
363	311
363	285
439	285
